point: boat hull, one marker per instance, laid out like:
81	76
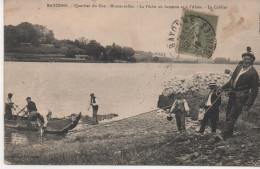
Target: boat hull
55	125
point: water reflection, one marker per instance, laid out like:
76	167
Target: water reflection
18	138
13	136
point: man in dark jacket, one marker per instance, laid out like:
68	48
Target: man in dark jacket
31	109
9	106
212	109
243	90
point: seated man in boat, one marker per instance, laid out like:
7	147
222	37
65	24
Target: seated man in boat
9	107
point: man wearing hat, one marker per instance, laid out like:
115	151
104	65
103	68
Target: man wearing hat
243	90
94	104
9	105
212	109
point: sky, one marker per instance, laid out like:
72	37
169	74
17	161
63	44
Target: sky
144	29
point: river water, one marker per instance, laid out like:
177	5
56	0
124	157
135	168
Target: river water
121	88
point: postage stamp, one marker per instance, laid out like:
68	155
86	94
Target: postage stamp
197	34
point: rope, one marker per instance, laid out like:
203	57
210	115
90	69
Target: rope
168	143
103	124
213	103
165	145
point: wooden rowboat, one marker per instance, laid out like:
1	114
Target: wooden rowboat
55	125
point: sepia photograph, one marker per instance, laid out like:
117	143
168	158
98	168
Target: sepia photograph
131	82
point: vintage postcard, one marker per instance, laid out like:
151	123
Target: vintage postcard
149	82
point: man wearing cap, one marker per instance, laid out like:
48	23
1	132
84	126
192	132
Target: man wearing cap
9	105
243	87
94	104
212	109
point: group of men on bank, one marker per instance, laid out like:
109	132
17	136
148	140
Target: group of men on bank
242	90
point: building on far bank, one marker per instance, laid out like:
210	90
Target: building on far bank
82	57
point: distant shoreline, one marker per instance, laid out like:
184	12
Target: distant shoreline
15	57
80	61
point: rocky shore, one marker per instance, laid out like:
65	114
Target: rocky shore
194	88
195	82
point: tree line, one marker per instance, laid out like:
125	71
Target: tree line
37	35
27	33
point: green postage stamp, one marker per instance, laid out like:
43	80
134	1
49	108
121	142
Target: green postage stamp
197	34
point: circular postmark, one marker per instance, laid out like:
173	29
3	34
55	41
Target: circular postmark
172	37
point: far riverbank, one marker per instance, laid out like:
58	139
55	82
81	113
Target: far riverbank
20	57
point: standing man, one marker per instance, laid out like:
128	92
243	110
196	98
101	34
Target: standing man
243	87
46	115
180	108
9	105
212	109
31	108
94	104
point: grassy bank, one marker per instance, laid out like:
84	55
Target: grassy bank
147	139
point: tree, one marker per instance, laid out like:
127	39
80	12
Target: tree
95	50
128	53
57	44
83	40
109	56
156	59
49	37
26	33
70	52
116	52
77	43
10	36
46	36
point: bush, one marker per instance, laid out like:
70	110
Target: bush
57	44
70	52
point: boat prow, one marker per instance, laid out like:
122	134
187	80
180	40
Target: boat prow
60	126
